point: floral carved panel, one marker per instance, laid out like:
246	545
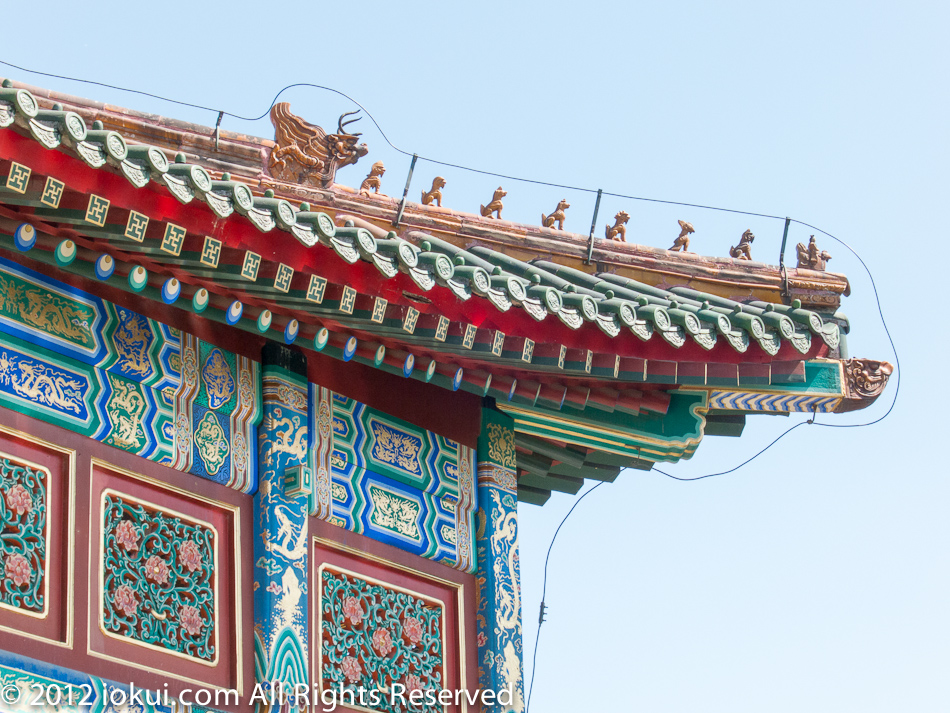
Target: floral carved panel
158	583
374	635
24	536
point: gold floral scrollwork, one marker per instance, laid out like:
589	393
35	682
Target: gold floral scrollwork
43	384
395	448
125	409
501	445
132	339
36	307
211	442
289	396
323	420
286	435
394	513
217	378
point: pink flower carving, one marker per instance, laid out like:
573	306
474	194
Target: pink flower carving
482	639
125	600
382	641
351	669
126	536
353	610
18	569
413	683
189	555
19	500
412	629
191	620
156	569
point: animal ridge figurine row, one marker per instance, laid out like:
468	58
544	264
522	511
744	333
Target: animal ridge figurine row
808	257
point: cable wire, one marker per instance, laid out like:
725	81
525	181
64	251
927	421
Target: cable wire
544	590
811	421
385	138
890	339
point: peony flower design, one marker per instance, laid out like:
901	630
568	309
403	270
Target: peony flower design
156	569
413	683
189	555
382	641
191	620
125	601
353	610
126	536
19	500
18	569
351	669
412	629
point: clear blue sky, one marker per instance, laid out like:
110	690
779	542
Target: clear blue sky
815	579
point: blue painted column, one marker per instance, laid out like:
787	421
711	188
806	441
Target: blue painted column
280	523
499	586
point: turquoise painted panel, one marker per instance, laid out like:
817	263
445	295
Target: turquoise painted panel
392	480
72	359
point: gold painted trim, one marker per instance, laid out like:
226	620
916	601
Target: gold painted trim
69	553
238	578
460	603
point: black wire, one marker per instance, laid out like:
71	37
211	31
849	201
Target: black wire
385	138
744	463
544	589
813	420
880	311
694	205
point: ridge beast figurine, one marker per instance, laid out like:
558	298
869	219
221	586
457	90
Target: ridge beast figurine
434	194
496	205
557	216
682	242
743	251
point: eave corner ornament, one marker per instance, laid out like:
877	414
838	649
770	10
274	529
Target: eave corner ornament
865	380
305	153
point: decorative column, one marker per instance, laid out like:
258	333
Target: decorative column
499	586
280	522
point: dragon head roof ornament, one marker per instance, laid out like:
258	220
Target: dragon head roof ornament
307	154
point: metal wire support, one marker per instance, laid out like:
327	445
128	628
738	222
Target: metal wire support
402	203
217	130
593	225
781	262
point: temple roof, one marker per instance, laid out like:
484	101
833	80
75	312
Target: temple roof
536	317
